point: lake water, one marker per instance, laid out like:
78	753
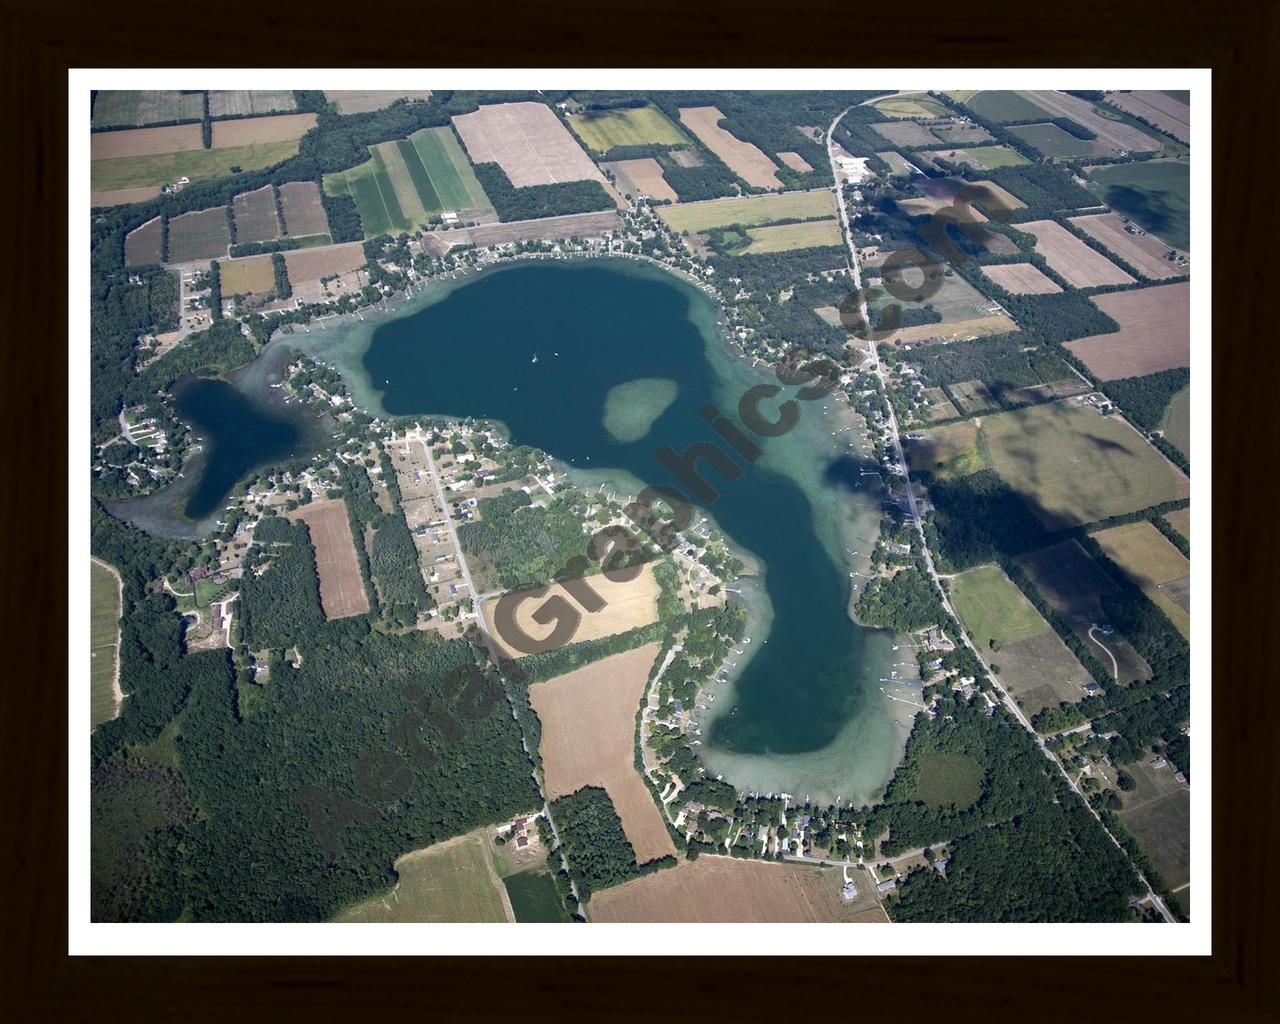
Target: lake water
557	349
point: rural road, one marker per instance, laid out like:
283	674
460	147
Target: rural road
894	436
1115	669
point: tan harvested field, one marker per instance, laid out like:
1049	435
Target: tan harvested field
145	141
732	890
1117	134
627	605
796	162
303	210
906	133
1041	672
123	196
253	275
252	130
528	142
1181	521
361	101
643	177
255	215
250	102
1158	812
1140	250
975	327
1155	333
547	229
941	192
744	159
784	237
1154	564
1070	258
342	590
1169	115
323	261
588	721
1021	279
749	211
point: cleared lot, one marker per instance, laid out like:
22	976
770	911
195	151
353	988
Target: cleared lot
744	159
1070	258
730	890
1133	245
1155	333
588	739
1021	279
528	142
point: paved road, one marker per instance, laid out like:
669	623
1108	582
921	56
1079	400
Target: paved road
896	440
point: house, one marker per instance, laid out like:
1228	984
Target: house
1158	762
522	842
849	892
888	885
1092	689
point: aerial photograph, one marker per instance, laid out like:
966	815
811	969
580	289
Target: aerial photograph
612	506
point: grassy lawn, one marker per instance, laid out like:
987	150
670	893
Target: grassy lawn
197	164
992	608
601	130
992	157
104	626
918	105
534	898
947	778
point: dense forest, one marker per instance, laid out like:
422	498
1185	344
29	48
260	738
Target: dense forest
904	602
527	545
1145	399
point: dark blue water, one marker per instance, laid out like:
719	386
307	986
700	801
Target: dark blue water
593	326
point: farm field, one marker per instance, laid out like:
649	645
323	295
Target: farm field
972	396
534	899
401	167
450	882
985	158
992	608
585	225
136	142
627	605
1158	813
743	158
960	134
1180	521
450	173
588	721
1070	258
1156	194
303	209
948	452
1155	332
602	130
783	237
116	174
965	312
122	196
939	192
748	211
1040	672
375	199
242	102
253	275
255	215
896	161
644	177
253	131
1021	279
1002	106
915	105
1073	583
1177	421
1053	142
1170	115
940	407
1154	564
128	108
342	590
527	141
905	133
201	235
143	244
1144	252
361	101
796	162
728	889
1116	134
309	265
104	640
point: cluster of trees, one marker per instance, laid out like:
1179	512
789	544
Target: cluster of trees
280	592
1027	850
284	288
532	201
527	545
343	217
1045	188
261	248
712	632
1004	363
598	851
978	519
904	602
1145	399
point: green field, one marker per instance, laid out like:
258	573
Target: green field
452	881
1003	105
783	237
104	632
947	777
748	211
992	157
961	95
992	608
915	105
375	199
197	164
450	173
534	898
1155	193
1177	421
601	130
1052	141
